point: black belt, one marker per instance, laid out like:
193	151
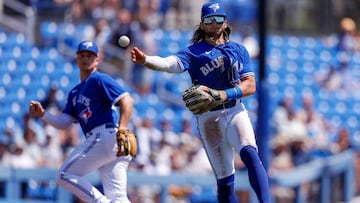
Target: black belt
226	105
110	125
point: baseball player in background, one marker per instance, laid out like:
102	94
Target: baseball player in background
93	103
224	67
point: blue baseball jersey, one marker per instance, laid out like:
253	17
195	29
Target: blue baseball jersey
92	102
218	67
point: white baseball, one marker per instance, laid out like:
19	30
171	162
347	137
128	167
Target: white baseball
124	41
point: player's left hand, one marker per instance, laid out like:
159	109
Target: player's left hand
36	109
127	144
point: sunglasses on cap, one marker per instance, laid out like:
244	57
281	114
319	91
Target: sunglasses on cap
217	19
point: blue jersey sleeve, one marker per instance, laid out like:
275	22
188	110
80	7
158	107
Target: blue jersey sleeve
112	89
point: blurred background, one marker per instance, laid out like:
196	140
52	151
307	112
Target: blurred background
306	55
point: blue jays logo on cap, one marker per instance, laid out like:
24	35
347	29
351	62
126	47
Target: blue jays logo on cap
212	8
88	46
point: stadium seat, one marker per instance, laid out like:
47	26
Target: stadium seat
49	33
292	41
67	33
64	81
274	41
308	42
3	39
308	55
18	39
292	54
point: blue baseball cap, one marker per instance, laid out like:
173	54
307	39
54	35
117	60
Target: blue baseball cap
212	8
88	46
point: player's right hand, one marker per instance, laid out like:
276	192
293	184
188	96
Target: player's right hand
36	109
137	56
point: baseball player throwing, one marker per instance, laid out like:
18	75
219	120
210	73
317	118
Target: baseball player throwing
220	69
93	104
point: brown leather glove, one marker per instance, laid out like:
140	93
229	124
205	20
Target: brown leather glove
200	99
127	144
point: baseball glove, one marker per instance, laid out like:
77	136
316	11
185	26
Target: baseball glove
126	141
200	99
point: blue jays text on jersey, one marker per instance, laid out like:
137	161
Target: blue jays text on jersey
82	99
97	105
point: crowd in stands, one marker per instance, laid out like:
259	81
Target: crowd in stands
299	134
302	134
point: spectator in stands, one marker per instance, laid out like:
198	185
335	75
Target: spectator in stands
149	138
281	113
106	9
102	32
145	193
342	141
51	150
338	77
36	189
281	155
50	102
4	143
198	162
76	13
300	148
23	155
301	153
280	161
11	137
31	146
35	125
180	156
293	126
162	157
187	131
180	14
17	158
190	158
331	80
168	134
129	5
349	37
291	147
147	11
122	25
318	128
143	78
